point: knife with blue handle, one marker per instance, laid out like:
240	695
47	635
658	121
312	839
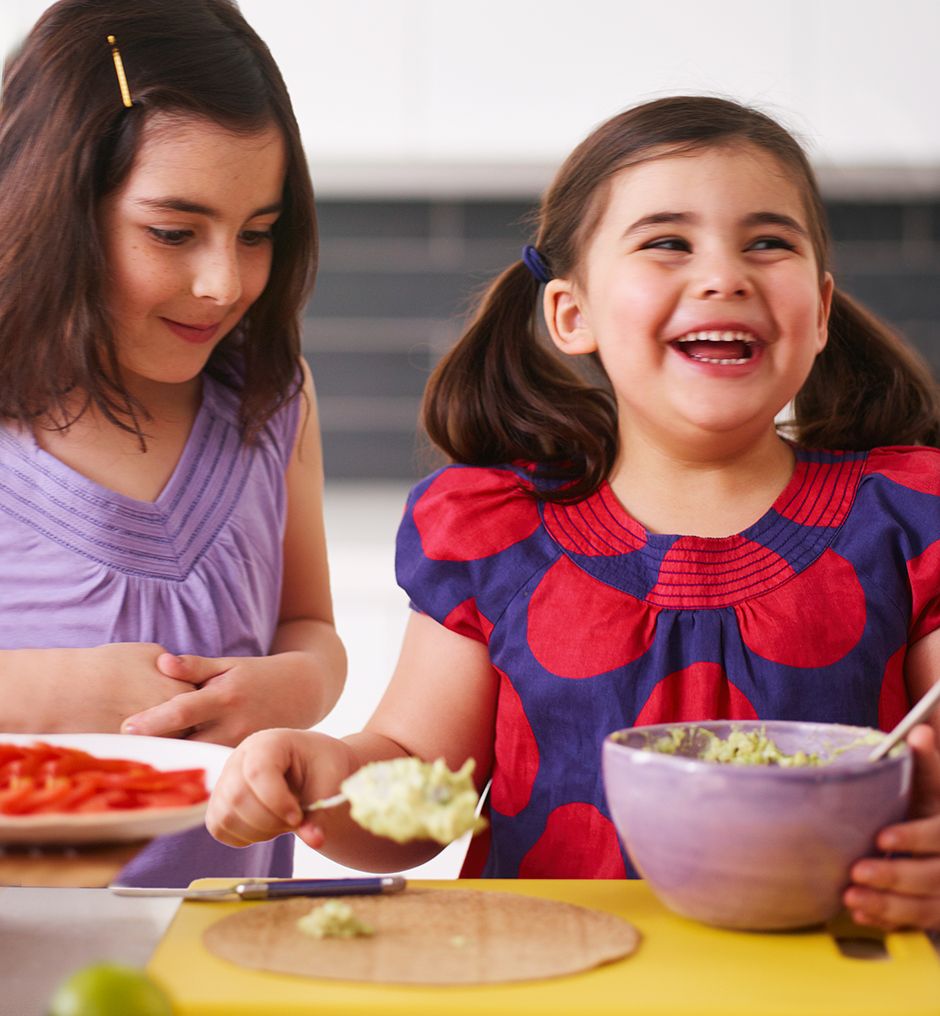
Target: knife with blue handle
270	889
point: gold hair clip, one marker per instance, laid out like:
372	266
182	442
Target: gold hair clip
119	70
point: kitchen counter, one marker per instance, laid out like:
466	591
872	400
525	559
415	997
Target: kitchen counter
47	933
681	968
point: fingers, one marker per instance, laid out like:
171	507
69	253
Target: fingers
174	718
253	800
311	834
904	892
237	816
900	892
906	876
919	836
209	712
194	669
887	910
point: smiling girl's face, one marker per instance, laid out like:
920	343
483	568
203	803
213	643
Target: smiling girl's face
701	293
187	240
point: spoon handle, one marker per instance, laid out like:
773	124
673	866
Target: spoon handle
327	802
920	710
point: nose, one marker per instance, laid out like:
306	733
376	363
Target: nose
722	275
217	276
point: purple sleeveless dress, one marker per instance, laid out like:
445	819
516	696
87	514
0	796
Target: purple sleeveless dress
197	571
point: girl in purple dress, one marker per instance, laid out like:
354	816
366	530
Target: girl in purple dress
641	543
162	560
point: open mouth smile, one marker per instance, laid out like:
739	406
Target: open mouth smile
726	348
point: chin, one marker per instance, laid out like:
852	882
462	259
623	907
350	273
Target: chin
164	373
716	427
173	378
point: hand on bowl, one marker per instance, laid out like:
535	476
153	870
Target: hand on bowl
753	847
904	892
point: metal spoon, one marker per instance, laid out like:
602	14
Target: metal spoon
920	710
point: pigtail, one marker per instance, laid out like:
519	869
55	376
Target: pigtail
500	395
867	388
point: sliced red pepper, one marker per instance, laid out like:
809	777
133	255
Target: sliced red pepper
13	796
51	791
167	799
78	791
46	778
10	752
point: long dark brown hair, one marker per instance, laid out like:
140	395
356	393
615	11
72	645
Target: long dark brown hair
503	394
67	140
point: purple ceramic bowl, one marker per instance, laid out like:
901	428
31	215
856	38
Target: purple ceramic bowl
752	847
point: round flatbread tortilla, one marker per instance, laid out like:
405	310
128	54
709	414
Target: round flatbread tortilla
428	937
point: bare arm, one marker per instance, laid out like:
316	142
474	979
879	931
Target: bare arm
897	892
81	690
440	703
305	625
922	671
299	682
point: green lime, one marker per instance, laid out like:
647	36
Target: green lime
108	989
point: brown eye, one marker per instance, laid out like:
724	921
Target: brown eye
255	237
171	237
672	243
771	243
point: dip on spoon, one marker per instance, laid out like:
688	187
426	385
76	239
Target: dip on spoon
409	799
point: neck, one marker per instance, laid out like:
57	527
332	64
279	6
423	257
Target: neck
157	403
715	487
164	401
114	458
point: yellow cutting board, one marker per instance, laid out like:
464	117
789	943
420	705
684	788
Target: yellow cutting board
681	968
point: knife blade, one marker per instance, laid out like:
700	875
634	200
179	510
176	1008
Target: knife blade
269	889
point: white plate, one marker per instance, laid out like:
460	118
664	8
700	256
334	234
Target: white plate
117	826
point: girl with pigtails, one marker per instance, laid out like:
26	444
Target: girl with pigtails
643	541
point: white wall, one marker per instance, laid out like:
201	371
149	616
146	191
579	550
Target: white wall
371	613
410	94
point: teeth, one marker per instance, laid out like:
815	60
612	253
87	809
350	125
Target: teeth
718	337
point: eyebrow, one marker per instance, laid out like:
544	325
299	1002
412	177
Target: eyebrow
774	219
195	208
690	218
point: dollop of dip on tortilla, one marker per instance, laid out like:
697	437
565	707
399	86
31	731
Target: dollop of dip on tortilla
408	799
333	919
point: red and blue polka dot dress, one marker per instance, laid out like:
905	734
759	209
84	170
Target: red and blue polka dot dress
593	624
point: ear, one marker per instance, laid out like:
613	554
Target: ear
565	320
825	305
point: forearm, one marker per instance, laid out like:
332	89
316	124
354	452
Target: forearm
350	844
32	691
315	651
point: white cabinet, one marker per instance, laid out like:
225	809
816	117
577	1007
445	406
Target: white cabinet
407	96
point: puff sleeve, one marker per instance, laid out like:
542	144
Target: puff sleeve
910	483
464	545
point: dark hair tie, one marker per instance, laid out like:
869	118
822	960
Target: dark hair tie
534	261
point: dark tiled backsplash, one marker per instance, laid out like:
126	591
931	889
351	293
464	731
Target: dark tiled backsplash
398	278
